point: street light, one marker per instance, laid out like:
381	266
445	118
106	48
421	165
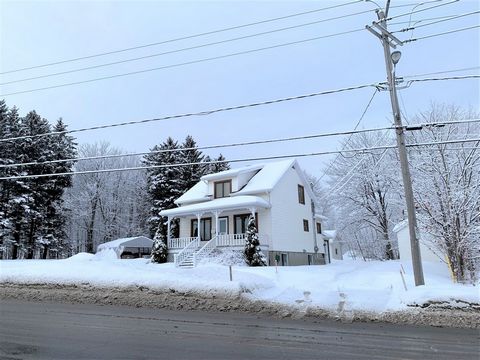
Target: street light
396	55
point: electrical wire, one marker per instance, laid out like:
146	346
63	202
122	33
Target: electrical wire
256	142
454	17
201	113
184	37
441	34
355	128
186	63
441	72
194	36
185	49
417	11
232	161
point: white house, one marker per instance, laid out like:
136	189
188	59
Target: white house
132	247
214	214
428	253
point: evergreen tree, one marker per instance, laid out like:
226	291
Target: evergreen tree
159	249
216	165
164	184
190	174
253	253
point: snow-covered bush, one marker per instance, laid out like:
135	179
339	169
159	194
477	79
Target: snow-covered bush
159	248
253	253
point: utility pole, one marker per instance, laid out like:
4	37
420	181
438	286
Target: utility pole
388	40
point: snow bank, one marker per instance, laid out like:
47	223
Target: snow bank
340	287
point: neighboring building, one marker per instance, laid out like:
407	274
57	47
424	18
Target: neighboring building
128	248
427	251
214	214
335	245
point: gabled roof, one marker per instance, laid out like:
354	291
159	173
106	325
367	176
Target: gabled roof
264	178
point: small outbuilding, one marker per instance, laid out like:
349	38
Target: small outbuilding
128	248
428	252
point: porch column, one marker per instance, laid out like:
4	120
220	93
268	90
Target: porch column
199	217
217	214
169	219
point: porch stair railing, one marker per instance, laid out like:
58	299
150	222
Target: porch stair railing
205	250
186	257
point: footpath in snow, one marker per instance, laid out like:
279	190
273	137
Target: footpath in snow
340	287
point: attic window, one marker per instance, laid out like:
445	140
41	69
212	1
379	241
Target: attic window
301	194
222	189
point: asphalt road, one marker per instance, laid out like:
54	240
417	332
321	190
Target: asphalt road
30	330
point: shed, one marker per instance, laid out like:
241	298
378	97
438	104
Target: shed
335	244
128	248
427	251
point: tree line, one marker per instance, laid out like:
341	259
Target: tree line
364	197
55	217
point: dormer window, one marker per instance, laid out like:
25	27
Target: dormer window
222	189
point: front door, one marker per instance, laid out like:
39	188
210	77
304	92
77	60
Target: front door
223	226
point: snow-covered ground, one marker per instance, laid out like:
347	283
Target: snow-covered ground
340	287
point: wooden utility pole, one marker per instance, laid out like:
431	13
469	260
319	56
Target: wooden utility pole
391	59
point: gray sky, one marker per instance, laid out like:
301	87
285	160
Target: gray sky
40	32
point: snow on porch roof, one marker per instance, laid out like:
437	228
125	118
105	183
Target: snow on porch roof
227	203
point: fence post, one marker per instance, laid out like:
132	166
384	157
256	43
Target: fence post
230	268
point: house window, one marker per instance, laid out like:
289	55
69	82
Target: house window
240	223
222	189
305	225
301	194
319	228
205	229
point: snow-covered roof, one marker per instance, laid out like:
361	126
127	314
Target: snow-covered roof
197	193
401	225
330	234
321	217
266	179
232	172
137	241
227	203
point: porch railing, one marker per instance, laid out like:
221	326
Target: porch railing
180	243
206	249
231	240
187	253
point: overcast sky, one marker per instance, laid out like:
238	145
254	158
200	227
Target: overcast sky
38	32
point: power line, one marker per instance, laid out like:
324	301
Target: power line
442	33
184	37
453	17
255	142
355	128
463	77
442	72
233	161
193	36
186	49
418	11
201	113
186	63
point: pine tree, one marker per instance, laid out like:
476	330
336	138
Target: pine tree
159	249
218	164
163	184
253	253
190	174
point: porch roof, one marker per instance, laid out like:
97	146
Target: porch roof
227	203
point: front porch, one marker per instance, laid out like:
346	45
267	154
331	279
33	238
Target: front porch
219	223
